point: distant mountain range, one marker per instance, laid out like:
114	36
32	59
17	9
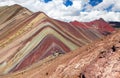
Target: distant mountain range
28	39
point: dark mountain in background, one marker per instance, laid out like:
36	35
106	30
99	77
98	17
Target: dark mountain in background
115	24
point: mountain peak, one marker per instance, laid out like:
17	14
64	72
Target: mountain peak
101	19
17	5
9	12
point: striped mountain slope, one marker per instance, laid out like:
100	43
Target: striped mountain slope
27	38
101	59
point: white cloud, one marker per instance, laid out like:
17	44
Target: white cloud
105	4
56	9
108	16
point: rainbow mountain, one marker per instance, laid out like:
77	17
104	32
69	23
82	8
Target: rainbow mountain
27	38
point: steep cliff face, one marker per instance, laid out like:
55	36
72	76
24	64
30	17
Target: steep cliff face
27	38
100	59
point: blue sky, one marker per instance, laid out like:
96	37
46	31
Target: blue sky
70	10
46	1
95	2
